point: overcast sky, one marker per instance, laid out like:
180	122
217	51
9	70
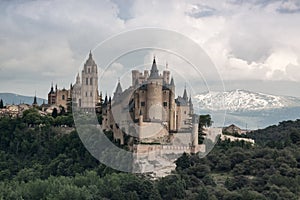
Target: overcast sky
255	44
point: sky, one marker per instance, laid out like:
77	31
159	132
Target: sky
253	44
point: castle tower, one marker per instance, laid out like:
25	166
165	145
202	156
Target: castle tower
172	113
195	125
141	119
191	106
154	95
166	75
51	96
135	77
89	84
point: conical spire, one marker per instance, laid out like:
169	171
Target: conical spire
154	70
34	100
51	90
185	94
172	82
119	88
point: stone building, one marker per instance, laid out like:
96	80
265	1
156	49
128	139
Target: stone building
85	91
59	97
148	108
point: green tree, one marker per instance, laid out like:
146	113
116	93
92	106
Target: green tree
183	162
204	121
54	113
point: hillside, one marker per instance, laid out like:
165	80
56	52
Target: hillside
45	164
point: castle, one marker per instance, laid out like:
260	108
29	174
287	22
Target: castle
147	111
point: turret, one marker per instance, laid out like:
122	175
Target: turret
118	91
154	71
191	105
141	119
195	125
185	96
172	106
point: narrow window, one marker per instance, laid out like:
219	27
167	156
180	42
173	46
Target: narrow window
142	103
63	97
91	81
86	81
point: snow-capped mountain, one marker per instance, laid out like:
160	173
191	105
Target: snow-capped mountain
243	100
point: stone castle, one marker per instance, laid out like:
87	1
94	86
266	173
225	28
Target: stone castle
147	110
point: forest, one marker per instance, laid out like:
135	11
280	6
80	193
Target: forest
44	162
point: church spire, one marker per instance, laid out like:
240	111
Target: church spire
172	82
51	90
185	97
34	100
90	61
154	70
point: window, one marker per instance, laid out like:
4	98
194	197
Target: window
91	94
86	81
89	70
165	104
184	112
143	103
86	94
63	97
91	81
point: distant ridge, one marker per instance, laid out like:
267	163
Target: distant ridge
11	98
243	100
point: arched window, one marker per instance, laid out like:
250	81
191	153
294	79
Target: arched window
63	97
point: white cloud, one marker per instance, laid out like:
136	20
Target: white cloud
245	39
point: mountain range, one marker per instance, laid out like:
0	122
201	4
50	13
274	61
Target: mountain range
247	109
11	98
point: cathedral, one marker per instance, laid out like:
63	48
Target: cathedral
148	108
84	93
